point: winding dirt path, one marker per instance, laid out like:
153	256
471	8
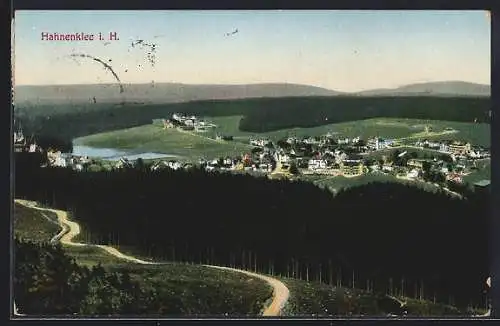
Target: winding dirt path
71	229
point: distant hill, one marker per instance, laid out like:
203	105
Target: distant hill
161	92
177	93
445	88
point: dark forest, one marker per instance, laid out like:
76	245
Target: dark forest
388	238
259	115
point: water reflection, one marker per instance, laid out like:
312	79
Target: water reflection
112	154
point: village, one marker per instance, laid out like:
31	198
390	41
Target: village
446	160
438	162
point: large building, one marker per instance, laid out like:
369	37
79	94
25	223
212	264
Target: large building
416	163
352	168
379	143
459	148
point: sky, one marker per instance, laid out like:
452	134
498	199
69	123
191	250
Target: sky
339	50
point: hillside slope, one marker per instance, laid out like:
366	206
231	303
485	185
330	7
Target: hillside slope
166	289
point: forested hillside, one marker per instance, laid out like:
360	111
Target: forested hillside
87	281
49	282
393	237
260	115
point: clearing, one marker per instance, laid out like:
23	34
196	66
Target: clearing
169	141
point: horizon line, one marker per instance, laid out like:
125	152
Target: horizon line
259	83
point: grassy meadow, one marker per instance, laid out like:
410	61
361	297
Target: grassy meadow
483	172
169	141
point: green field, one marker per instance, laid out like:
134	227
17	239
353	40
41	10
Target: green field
169	141
383	127
482	173
422	153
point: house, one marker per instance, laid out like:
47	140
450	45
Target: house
340	157
416	163
247	159
459	148
33	148
454	177
200	128
413	174
178	118
387	143
259	142
432	145
387	167
84	159
310	140
209	168
444	148
188	166
156	166
316	164
378	143
352	168
353	159
19	137
123	163
343	141
282	157
285	167
174	165
52	156
165	122
474	154
239	166
60	162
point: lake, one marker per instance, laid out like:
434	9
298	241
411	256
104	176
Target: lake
113	154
